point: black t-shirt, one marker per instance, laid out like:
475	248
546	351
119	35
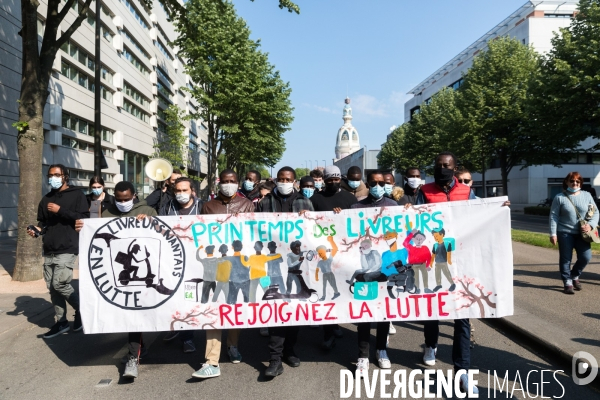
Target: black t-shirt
324	201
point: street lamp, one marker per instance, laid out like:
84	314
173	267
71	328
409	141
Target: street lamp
324	163
317	164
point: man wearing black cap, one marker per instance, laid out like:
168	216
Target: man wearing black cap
332	198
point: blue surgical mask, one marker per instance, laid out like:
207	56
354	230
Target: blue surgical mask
377	191
55	182
308	192
354	184
388	188
248	186
318	185
573	190
97	191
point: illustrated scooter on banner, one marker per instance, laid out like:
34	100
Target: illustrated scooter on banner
305	293
404	281
129	273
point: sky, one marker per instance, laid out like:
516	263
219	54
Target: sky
373	51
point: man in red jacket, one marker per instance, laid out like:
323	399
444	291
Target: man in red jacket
446	188
419	257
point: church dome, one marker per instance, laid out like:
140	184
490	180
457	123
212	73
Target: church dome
347	141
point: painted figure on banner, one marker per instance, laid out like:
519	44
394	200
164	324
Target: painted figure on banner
395	266
442	256
370	262
239	280
419	257
324	265
274	267
223	274
209	271
294	262
258	270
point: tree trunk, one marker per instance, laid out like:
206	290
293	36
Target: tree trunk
30	141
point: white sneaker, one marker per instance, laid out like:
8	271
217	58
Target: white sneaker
429	355
383	360
362	367
392	329
464	384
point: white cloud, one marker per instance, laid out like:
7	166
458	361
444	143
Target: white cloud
321	109
369	105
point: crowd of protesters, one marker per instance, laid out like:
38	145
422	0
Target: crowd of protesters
62	212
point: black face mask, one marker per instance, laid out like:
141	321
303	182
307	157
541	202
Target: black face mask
443	176
332	187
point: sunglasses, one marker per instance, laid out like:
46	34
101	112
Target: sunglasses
55	175
574	181
373	184
465	180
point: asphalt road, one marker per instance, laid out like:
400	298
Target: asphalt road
72	365
533	223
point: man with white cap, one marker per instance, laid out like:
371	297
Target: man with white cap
332	198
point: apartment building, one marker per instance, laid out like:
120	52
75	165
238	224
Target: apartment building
141	77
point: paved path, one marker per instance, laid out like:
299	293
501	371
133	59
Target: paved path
533	223
72	365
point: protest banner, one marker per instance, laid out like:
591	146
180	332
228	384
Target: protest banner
436	261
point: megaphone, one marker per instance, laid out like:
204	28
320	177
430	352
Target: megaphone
158	169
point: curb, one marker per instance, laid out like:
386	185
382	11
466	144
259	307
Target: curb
564	356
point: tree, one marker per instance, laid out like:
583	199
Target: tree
439	126
493	102
243	100
301	172
170	144
567	93
36	70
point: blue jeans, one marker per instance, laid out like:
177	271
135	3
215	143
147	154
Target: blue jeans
461	346
566	243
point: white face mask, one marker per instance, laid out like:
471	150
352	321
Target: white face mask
182	198
365	251
229	189
414	182
390	242
285	188
126	206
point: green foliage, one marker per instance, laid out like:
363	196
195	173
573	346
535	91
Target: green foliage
243	100
544	211
439	126
487	118
567	94
301	172
21	126
170	144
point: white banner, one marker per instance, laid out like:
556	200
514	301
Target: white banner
436	261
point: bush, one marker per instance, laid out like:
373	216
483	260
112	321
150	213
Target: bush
545	211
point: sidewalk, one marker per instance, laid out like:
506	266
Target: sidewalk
561	323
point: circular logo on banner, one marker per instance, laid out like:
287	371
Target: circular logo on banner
136	265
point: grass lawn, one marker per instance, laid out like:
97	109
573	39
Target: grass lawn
541	240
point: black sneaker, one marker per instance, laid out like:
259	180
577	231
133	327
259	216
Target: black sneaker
274	369
329	343
58	329
77	325
292	360
576	284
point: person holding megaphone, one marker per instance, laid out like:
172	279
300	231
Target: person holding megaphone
160	170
